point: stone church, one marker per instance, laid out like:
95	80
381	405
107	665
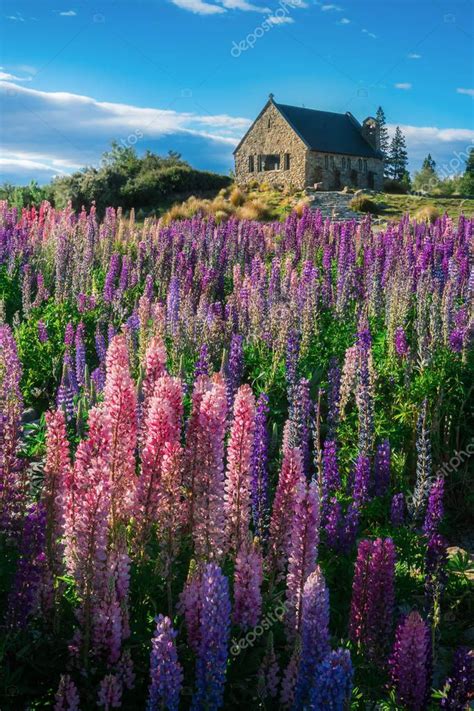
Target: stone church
288	146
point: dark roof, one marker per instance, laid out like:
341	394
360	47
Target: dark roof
324	131
328	132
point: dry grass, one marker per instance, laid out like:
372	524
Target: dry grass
428	213
237	197
300	206
363	203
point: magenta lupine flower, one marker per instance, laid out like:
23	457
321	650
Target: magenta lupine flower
314	634
459	686
57	473
402	348
435	509
214	630
238	482
69	335
303	551
166	673
269	672
206	448
410	662
154	365
382	468
373	597
456	338
284	505
42	332
67	697
334	680
11	408
110	692
120	403
259	470
289	679
397	510
248	577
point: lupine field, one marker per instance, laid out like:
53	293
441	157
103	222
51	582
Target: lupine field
226	466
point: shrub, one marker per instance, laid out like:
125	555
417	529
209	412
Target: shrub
395	187
300	206
362	203
237	197
428	213
254	210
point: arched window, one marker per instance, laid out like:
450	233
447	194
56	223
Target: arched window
365	166
332	161
349	163
360	164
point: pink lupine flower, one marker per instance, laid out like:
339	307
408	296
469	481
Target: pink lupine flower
208	494
291	476
110	692
120	402
171	390
169	517
248	578
201	386
238	481
66	698
57	472
303	550
154	364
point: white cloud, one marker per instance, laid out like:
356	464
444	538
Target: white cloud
344	21
414	55
331	8
468	92
198	7
369	34
243	5
279	19
405	85
68	13
16	18
6	76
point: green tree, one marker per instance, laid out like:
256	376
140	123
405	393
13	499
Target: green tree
384	137
426	180
467	181
398	157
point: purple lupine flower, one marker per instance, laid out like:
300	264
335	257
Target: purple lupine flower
435	509
42	332
382	468
314	634
269	672
361	479
100	345
397	510
423	465
110	692
235	367
435	569
402	348
351	526
69	335
214	622
80	353
148	291
248	578
410	664
172	304
373	597
292	357
333	682
31	572
110	278
456	339
333	524
331	476
166	672
334	384
259	470
299	422
459	686
203	364
66	698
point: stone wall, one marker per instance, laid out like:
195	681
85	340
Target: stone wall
279	138
271	134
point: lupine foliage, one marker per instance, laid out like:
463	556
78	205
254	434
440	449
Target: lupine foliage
221	451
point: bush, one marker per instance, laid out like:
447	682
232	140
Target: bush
362	203
395	187
237	197
300	207
254	210
428	213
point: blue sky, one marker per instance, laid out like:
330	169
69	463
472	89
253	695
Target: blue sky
190	75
